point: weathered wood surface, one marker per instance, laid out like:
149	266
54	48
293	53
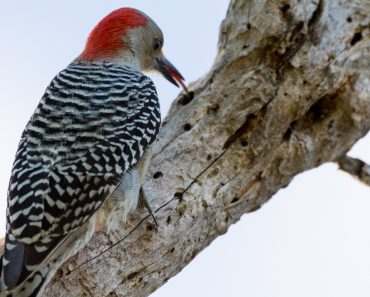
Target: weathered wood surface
289	90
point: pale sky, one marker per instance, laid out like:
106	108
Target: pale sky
311	239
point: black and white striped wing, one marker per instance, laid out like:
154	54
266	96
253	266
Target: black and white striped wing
93	123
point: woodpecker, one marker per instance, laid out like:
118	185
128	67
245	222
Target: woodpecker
83	155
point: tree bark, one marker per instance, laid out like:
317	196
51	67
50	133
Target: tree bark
289	90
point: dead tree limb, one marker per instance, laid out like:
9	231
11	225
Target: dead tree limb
356	168
289	90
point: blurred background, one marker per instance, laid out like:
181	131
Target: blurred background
311	239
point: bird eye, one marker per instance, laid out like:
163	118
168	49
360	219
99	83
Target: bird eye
157	44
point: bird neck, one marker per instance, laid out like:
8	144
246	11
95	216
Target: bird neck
123	58
127	58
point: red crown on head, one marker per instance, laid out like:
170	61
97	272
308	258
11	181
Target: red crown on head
105	40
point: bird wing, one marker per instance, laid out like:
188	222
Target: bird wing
93	123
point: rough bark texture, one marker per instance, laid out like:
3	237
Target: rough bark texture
289	90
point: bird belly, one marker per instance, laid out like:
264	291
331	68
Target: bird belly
125	198
122	201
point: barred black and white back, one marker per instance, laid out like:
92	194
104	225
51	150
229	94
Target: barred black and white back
95	122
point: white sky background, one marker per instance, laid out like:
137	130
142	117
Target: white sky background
311	239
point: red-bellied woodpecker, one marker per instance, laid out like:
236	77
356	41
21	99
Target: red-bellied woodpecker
83	155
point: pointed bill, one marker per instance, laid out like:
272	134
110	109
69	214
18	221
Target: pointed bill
171	73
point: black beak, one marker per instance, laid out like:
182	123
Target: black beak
171	73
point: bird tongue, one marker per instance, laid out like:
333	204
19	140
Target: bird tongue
171	73
178	77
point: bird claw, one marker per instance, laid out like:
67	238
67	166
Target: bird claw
146	204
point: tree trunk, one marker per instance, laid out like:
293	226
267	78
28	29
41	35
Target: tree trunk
289	90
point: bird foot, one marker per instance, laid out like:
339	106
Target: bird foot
146	204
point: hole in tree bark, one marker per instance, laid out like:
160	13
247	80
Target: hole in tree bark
185	99
234	200
356	38
132	275
288	132
285	8
178	195
244	143
187	127
322	108
158	174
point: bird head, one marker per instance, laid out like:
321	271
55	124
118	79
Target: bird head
128	36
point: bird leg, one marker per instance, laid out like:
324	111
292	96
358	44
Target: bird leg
145	202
